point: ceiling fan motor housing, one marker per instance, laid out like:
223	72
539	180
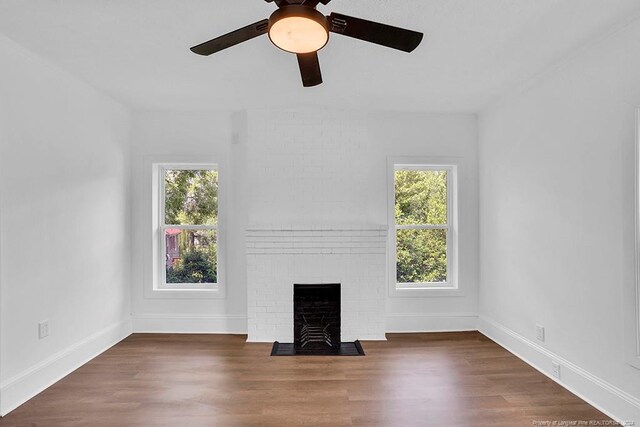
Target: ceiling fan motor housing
298	29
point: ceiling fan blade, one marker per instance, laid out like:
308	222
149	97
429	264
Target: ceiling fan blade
374	32
309	69
233	38
279	3
314	3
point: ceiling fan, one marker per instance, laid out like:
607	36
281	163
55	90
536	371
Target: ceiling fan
298	27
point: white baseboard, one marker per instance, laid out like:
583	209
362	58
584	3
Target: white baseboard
420	322
189	324
616	403
17	390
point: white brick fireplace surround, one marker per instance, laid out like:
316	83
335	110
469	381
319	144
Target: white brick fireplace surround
277	258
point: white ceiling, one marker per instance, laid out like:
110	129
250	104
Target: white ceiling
474	51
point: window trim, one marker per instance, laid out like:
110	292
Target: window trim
451	287
152	274
632	290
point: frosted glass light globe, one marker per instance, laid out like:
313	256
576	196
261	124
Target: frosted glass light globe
298	29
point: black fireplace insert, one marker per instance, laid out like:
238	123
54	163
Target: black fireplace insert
316	318
316	323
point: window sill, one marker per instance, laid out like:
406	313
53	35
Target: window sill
194	293
425	292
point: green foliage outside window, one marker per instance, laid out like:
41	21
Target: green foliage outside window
193	267
421	199
191	197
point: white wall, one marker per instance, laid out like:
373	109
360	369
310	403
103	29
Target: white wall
305	166
327	167
433	135
191	137
65	219
557	219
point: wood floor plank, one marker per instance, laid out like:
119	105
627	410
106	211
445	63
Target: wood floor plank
436	379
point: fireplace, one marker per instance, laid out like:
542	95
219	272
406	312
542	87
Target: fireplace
316	324
316	318
354	256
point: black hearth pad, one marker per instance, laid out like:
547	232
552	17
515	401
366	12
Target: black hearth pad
346	349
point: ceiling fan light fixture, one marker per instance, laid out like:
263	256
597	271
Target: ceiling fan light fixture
298	29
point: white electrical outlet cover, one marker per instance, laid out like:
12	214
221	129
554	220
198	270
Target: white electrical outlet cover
43	329
555	369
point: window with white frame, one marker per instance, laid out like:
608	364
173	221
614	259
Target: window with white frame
188	227
424	236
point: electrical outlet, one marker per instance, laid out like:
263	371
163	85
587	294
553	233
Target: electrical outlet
43	329
540	332
555	369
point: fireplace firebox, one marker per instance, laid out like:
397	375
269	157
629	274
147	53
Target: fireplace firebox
316	318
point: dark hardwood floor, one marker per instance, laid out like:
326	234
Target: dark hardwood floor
444	379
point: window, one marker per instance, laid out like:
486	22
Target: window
423	237
188	227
